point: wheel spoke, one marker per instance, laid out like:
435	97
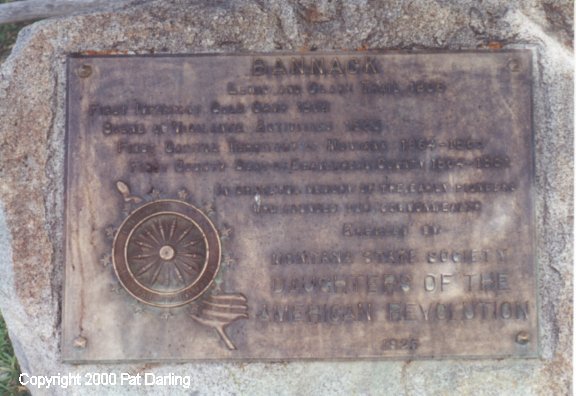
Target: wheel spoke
172	229
144	244
193	242
156	274
179	272
149	234
146	268
184	233
193	266
162	232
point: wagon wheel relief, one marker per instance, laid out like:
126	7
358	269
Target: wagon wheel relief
167	253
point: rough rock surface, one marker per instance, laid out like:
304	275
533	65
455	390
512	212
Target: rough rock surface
32	95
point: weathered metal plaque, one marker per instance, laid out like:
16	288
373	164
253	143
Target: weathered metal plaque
299	206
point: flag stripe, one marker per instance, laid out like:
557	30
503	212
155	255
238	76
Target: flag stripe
222	316
227	298
224	307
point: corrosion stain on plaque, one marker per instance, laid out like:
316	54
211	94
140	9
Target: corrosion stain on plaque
299	206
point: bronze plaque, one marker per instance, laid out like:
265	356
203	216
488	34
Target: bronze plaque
299	206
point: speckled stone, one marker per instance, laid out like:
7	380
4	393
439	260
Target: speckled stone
32	107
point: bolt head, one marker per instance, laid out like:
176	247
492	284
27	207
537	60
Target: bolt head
84	71
80	342
522	338
514	65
